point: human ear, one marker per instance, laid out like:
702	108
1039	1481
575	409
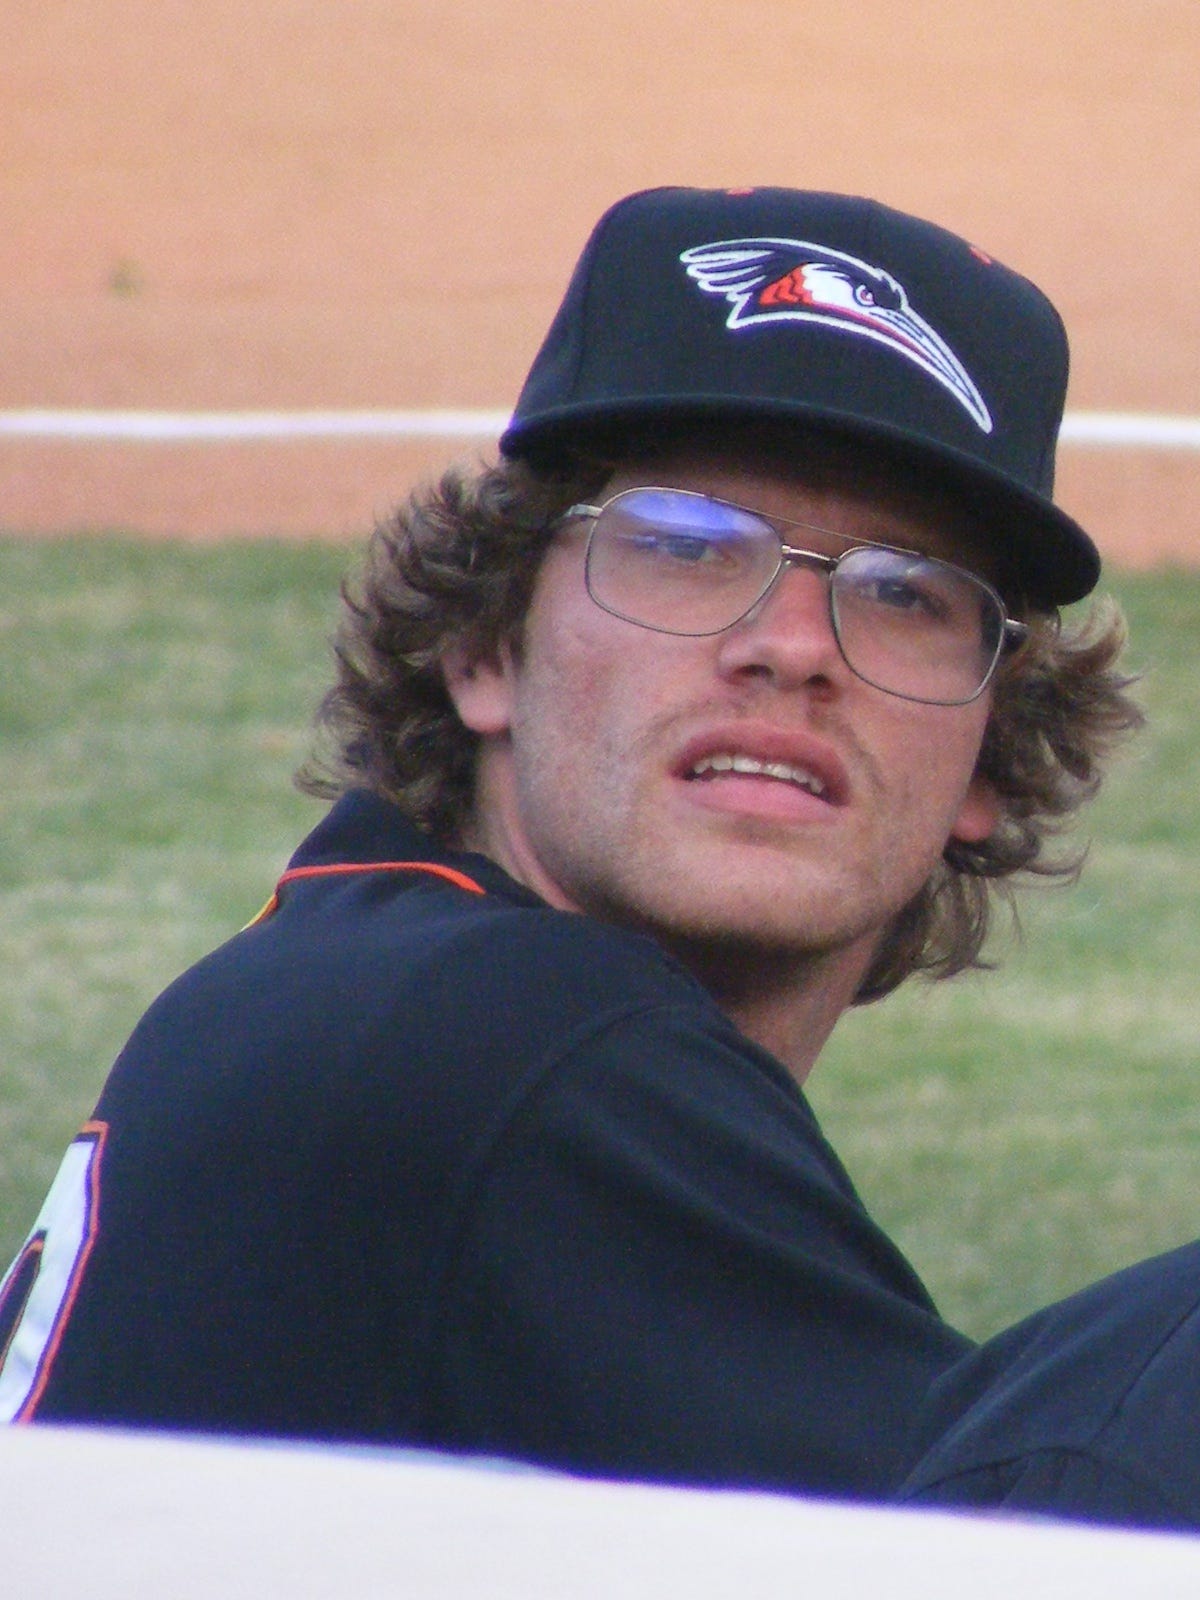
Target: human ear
978	814
480	687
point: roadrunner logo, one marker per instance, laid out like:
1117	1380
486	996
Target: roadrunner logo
768	280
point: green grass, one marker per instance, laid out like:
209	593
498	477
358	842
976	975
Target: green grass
154	701
1020	1132
1025	1131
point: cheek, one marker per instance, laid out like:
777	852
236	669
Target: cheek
578	676
557	714
972	808
584	732
933	756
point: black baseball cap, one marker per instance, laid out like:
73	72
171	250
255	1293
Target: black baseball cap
831	312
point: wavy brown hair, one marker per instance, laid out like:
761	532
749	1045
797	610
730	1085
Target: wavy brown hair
455	566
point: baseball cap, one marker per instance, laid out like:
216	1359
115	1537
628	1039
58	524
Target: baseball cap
832	312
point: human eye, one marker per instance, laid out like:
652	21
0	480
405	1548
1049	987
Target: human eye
669	538
906	594
663	545
691	549
915	590
685	548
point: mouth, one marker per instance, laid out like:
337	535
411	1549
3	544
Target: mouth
721	762
756	767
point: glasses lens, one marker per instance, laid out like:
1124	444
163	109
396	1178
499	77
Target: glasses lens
915	626
679	562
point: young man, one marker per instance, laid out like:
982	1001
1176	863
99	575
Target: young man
709	711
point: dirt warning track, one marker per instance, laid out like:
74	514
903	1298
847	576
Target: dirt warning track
300	204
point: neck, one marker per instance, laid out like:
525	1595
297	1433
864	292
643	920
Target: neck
785	1000
787	1004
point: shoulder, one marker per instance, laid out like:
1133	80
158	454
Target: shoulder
474	958
375	990
376	923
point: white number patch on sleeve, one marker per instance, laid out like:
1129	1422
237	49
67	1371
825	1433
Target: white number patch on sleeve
43	1281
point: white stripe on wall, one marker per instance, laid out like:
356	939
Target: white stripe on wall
225	426
1099	429
1137	429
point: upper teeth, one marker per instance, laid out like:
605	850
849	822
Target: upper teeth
764	769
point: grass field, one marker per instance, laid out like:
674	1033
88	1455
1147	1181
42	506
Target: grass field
1021	1132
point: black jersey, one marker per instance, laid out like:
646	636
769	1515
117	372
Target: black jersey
417	1159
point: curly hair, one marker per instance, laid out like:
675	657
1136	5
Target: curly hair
455	566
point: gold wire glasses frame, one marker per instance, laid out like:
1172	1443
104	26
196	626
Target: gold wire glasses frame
659	557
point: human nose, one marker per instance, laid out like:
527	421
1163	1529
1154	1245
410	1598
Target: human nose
788	636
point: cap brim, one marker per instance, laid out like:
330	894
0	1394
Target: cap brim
1055	560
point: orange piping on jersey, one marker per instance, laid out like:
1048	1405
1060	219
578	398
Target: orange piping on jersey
338	868
459	879
269	910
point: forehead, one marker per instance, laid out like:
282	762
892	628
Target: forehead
843	489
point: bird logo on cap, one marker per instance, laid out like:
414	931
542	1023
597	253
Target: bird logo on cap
769	280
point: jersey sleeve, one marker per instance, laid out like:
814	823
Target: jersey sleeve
661	1269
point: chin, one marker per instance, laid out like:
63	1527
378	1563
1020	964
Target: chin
725	929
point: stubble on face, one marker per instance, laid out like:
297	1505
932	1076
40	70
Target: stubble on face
593	782
580	796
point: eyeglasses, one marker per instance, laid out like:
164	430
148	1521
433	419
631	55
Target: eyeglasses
684	563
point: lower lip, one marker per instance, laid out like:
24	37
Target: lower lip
765	799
